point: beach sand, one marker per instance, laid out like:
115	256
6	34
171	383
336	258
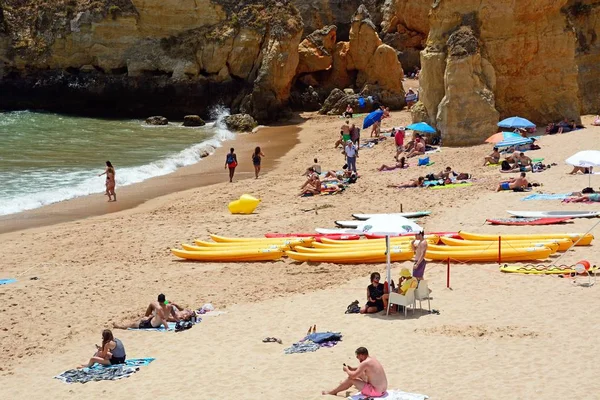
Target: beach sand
497	335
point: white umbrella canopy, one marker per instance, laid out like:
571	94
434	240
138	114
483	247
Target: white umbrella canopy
585	159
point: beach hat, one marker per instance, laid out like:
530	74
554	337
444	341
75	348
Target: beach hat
405	273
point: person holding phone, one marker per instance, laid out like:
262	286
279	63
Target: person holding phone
111	352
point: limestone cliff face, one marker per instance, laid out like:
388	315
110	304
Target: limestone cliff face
527	60
175	56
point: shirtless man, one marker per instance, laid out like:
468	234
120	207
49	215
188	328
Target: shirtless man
523	161
344	130
419	246
513	183
369	377
157	314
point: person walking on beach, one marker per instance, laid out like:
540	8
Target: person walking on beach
419	246
369	377
351	151
110	181
256	157
231	163
111	352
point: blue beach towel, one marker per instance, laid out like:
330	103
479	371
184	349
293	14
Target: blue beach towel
542	196
104	372
161	329
7	281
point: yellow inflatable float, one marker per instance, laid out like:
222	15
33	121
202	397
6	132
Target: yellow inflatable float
245	205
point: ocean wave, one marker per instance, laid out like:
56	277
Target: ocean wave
69	185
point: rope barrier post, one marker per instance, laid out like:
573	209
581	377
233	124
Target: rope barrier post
448	274
401	207
499	250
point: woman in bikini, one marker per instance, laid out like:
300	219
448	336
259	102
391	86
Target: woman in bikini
111	352
110	181
231	163
410	184
256	158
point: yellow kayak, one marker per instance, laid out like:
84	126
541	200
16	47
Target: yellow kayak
380	242
342	249
218	246
493	245
541	269
241	255
563	244
521	254
587	239
259	247
223	239
351	257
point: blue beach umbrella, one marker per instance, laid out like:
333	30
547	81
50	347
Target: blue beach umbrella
513	142
516	122
421	127
373	117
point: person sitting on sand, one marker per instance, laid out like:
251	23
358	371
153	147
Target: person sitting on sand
311	186
314	168
400	164
419	149
524	162
369	377
410	184
349	111
157	314
375	292
410	98
583	198
583	170
514	183
111	352
344	135
596	121
564	126
493	158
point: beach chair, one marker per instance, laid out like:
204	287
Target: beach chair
402	300
422	293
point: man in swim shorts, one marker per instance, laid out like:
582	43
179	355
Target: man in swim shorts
369	377
157	314
514	183
419	246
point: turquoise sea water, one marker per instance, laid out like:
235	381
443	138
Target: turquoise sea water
46	158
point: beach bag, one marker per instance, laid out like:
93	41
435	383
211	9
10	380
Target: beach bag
353	308
423	161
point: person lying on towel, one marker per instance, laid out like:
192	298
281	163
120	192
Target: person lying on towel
514	183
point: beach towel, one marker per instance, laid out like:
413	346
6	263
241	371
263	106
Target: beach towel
302	347
423	161
321	337
452	185
393	395
104	372
7	281
160	329
544	196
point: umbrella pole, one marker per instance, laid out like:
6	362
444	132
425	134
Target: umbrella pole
389	264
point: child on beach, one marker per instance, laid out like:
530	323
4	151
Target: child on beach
256	158
231	163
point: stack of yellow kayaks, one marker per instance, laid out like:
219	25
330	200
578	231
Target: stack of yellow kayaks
225	249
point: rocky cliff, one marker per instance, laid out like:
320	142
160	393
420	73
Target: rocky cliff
538	59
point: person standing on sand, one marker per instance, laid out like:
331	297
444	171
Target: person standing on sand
110	181
256	158
369	377
231	163
111	352
351	151
419	246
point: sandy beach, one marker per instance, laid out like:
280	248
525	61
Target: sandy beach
497	335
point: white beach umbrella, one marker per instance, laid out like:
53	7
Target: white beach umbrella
585	159
388	225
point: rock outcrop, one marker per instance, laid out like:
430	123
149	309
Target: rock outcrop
466	114
157	120
193	120
240	122
316	51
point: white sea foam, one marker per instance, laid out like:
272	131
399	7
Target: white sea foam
69	185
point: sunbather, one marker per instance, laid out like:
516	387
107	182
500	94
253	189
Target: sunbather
157	314
369	377
514	183
583	198
111	352
493	158
400	164
314	168
312	185
410	184
583	170
375	296
418	150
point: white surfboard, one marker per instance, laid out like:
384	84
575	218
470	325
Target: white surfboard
381	224
416	214
554	214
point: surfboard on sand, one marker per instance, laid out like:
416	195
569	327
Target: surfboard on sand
554	214
416	214
526	221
